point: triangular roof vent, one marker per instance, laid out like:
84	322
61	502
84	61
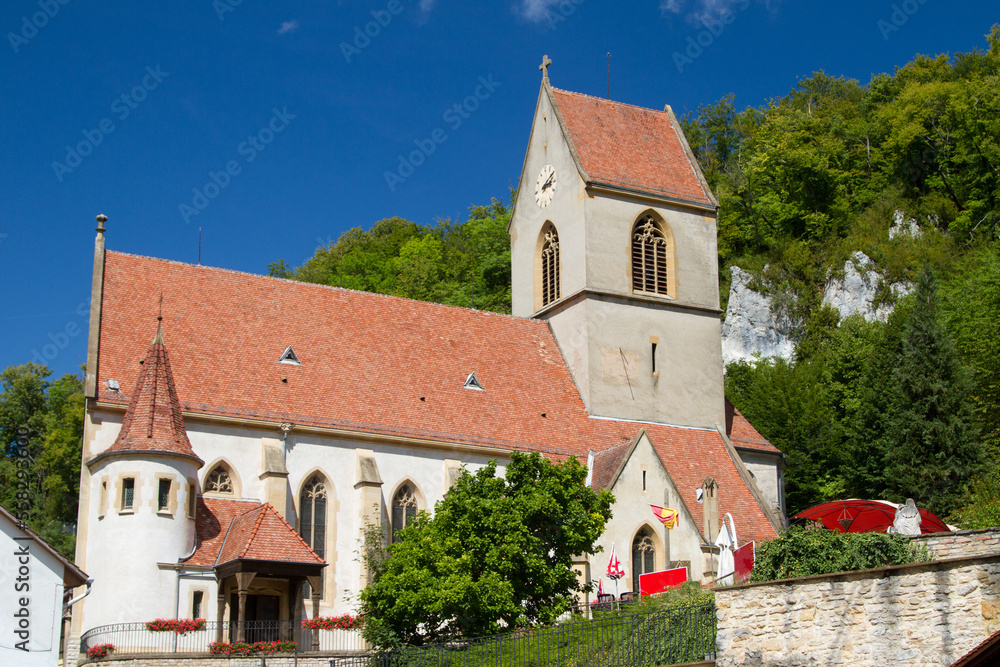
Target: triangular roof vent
289	357
472	382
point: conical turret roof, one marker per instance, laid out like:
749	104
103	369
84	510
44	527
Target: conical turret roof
153	423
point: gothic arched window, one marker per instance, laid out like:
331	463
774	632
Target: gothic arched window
404	509
312	514
220	481
643	553
550	265
312	523
650	250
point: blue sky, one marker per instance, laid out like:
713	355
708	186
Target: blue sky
286	117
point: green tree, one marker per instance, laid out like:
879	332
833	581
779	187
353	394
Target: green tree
44	478
933	449
457	263
497	553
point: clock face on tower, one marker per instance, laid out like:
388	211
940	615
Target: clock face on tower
545	187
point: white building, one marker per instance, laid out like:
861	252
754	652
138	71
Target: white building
34	578
338	408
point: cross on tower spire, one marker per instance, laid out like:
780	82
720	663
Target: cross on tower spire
544	67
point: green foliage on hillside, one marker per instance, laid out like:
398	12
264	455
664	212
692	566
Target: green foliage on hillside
802	551
457	263
906	408
498	552
40	483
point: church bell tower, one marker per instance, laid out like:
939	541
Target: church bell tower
613	242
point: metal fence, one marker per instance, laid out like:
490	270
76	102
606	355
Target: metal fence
614	639
617	638
135	639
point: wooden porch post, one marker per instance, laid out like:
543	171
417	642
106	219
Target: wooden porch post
315	584
295	598
221	614
243	580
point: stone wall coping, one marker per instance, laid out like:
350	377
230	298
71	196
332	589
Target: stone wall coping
968	531
887	570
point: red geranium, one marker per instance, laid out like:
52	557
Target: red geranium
344	622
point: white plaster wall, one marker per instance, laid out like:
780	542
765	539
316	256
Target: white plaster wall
44	597
566	211
689	389
609	227
124	548
631	512
766	470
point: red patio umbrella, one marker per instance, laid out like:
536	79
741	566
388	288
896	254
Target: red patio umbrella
864	516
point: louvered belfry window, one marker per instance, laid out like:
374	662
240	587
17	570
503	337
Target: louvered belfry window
550	266
404	509
649	257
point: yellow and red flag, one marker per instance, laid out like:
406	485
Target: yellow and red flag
667	517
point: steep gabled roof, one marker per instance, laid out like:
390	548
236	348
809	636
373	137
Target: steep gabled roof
213	519
632	148
742	433
72	576
261	534
153	423
376	364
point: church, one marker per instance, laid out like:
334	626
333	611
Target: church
241	431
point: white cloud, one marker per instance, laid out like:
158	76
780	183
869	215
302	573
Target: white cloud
537	10
287	27
427	5
671	6
702	11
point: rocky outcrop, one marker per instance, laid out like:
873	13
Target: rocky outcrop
855	293
752	327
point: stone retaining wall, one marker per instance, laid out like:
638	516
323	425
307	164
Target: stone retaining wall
961	543
928	614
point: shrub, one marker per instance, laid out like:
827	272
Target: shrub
179	625
807	550
100	651
345	622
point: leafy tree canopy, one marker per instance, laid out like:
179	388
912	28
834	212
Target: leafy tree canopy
497	553
461	264
40	482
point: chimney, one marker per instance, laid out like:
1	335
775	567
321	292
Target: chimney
710	508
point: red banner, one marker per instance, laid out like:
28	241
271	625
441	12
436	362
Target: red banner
743	558
657	582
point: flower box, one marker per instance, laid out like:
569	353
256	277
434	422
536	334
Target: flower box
179	625
100	651
245	648
345	622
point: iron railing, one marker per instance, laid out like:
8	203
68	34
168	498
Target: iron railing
613	639
616	638
135	639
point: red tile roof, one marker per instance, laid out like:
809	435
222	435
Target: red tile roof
742	433
631	147
378	364
607	463
263	534
211	524
153	422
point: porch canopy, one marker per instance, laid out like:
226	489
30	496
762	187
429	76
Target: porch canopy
260	543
